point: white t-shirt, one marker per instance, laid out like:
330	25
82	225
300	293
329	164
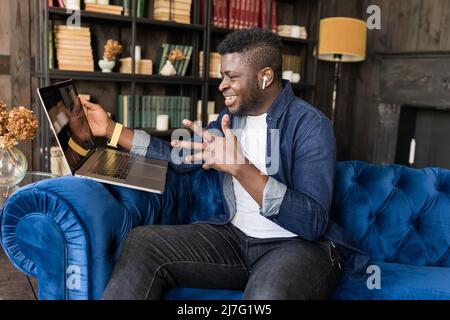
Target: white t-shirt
248	218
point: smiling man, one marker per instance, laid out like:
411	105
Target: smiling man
275	157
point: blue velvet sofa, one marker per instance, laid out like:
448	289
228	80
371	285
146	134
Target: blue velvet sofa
68	232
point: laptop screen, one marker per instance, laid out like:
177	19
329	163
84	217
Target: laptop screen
67	119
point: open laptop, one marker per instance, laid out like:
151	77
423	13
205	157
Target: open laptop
68	120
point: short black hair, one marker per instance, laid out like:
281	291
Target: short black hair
259	48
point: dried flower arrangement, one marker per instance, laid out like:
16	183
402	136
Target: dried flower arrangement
176	54
18	123
112	49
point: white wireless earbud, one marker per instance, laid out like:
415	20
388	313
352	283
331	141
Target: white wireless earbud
264	82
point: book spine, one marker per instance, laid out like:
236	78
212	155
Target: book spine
246	13
125	111
50	45
117	117
215	11
137	112
140	8
263	15
224	13
241	14
273	25
126	7
187	60
231	4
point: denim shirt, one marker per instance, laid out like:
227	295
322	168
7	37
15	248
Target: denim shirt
300	162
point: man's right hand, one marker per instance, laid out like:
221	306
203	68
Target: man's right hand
100	123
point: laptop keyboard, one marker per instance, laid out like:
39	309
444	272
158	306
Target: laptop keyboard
113	164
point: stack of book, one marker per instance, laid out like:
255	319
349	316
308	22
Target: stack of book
214	64
104	8
173	10
180	65
292	31
147	108
292	62
73	48
142	66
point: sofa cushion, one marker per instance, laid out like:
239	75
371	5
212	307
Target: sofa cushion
395	213
399	282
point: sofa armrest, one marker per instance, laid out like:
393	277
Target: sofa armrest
68	231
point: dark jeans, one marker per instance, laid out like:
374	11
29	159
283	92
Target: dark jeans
156	258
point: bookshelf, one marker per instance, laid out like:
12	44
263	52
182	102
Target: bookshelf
131	30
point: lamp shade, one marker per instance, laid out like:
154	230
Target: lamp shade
342	36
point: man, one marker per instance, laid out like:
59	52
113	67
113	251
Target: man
274	240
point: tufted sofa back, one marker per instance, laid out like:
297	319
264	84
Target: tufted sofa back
395	213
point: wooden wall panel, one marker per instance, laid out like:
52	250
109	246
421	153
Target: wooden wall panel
5	89
21	61
444	43
399	14
4	28
429	32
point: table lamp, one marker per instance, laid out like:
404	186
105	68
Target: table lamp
341	39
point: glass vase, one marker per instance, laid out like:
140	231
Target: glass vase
13	165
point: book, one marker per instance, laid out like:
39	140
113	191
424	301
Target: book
74	67
140	8
126	7
51	57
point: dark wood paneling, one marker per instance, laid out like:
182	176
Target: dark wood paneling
4	27
429	33
4	64
420	81
445	32
402	13
432	143
20	42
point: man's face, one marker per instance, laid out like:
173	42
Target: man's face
239	86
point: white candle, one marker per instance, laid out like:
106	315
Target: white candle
412	151
137	53
162	122
73	4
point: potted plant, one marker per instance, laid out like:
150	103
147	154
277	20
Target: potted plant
112	49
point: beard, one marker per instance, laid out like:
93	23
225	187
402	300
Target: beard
251	104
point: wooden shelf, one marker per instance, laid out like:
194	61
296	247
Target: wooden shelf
55	12
95	16
284	39
121	77
169	24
